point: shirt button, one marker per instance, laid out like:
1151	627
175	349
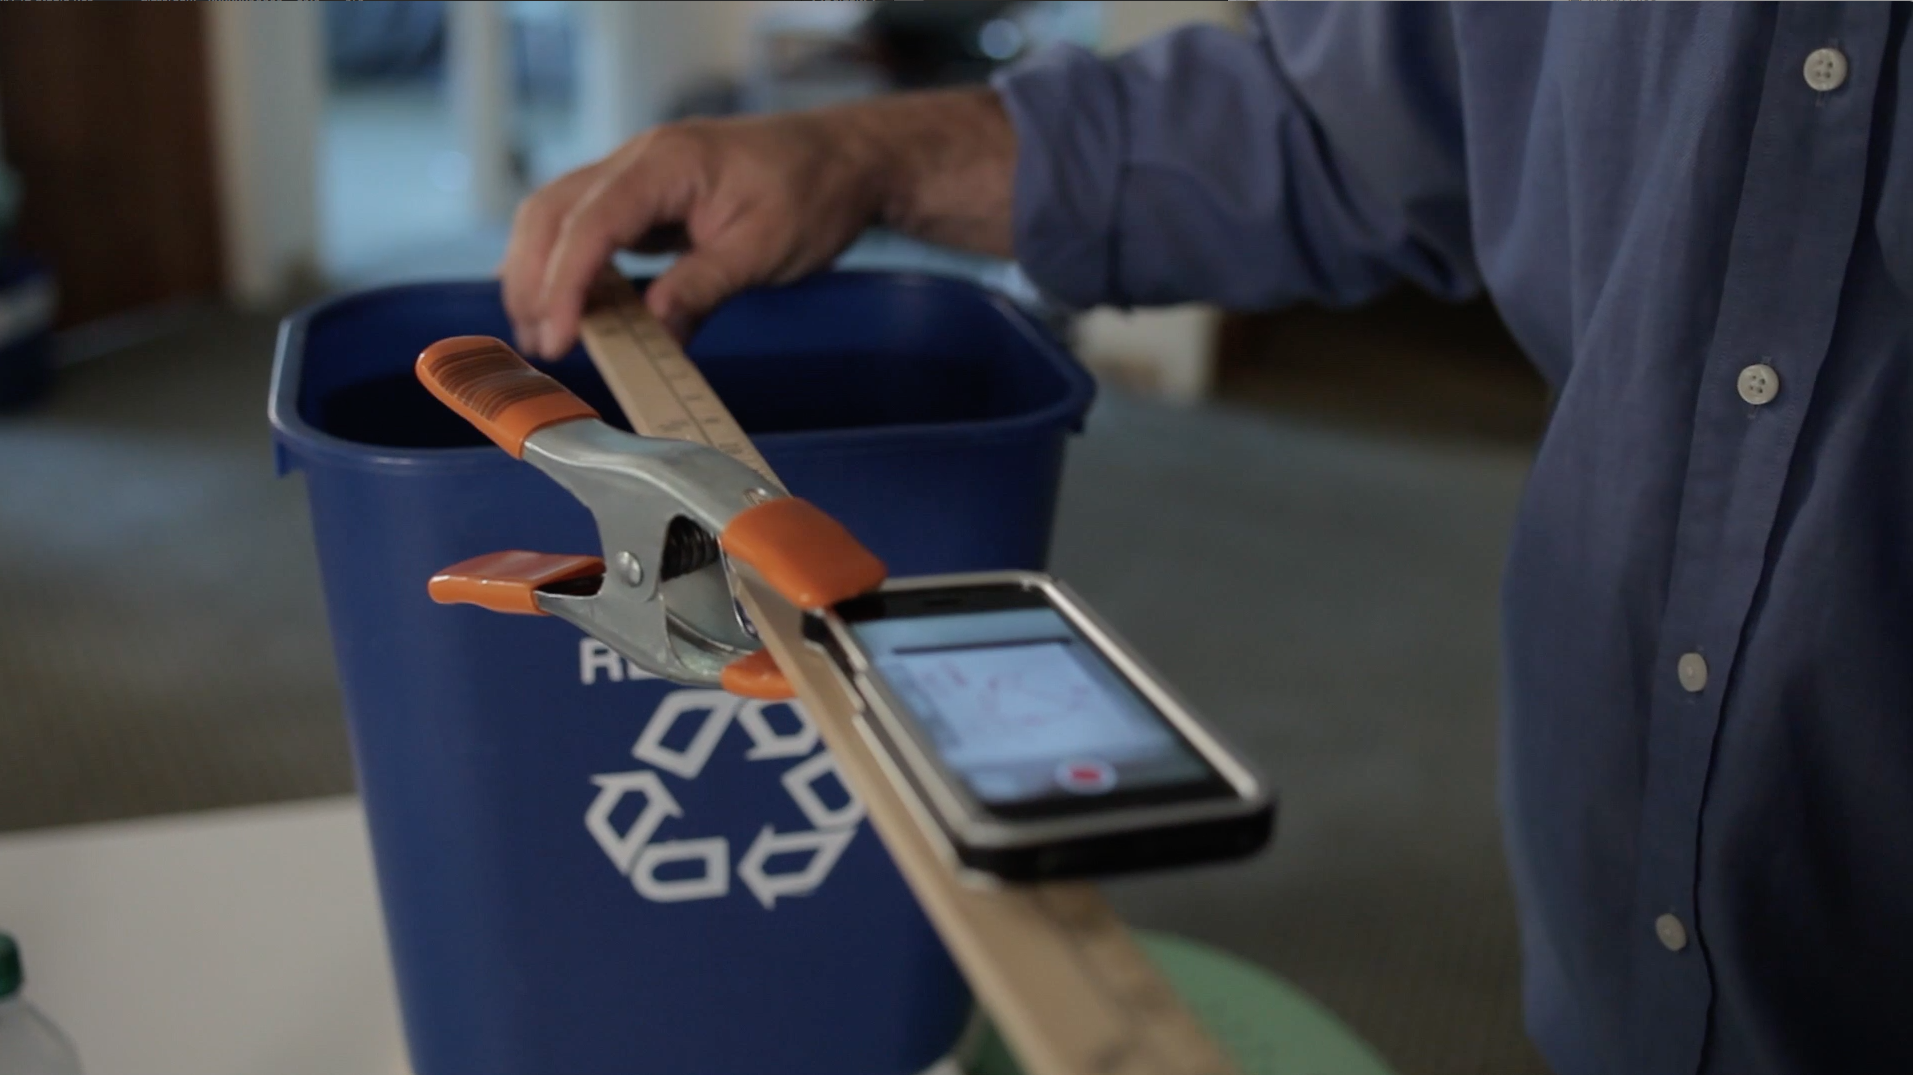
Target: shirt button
1826	69
1673	935
1759	383
1692	670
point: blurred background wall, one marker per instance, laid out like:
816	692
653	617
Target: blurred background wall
261	151
105	114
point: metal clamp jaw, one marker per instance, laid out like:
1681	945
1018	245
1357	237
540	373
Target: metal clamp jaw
664	600
671	515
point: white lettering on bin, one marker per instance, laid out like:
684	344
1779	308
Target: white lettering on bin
717	708
798	780
824	847
715	881
623	847
766	742
639	855
595	657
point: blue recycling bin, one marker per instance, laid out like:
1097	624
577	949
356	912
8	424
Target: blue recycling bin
27	297
588	871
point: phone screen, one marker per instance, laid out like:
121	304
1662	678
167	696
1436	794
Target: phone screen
1020	706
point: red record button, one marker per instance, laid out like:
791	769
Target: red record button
1086	776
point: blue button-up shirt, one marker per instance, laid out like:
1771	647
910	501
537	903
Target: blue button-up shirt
1708	609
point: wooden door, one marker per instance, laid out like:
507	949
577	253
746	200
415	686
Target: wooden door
105	114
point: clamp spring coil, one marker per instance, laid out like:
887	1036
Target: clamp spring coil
688	547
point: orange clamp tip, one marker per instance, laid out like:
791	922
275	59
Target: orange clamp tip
508	581
803	554
757	676
496	390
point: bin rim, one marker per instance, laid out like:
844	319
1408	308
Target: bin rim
296	441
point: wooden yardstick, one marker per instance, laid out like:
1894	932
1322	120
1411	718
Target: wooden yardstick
1056	969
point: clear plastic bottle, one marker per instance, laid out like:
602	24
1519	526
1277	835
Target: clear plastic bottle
29	1042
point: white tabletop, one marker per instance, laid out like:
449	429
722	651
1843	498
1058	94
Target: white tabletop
232	942
235	942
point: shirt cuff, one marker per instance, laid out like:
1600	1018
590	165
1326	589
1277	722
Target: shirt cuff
1067	107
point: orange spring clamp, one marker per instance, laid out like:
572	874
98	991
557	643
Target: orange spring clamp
675	519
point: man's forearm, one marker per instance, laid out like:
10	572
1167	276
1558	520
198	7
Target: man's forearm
945	162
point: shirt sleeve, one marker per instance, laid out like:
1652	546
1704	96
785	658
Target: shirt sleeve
1319	156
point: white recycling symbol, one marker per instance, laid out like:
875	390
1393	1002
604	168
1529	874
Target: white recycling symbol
700	869
623	847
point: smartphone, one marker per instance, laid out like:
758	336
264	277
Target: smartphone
1037	745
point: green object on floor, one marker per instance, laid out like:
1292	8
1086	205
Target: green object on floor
1269	1026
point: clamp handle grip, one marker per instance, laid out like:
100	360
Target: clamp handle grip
757	676
489	385
508	581
809	559
802	553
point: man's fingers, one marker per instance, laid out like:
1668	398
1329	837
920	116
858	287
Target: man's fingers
534	230
620	207
692	287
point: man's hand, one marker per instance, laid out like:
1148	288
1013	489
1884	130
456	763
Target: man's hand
759	200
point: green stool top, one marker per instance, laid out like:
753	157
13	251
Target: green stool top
1267	1025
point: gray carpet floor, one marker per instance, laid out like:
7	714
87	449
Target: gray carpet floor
1327	597
162	646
